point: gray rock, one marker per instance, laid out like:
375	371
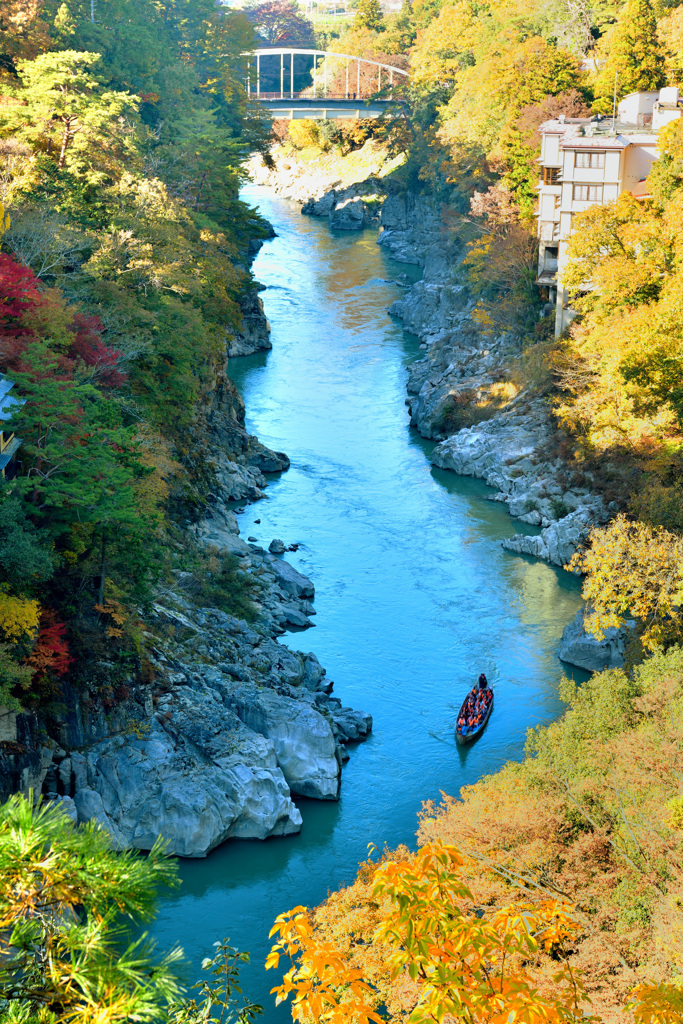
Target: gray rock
580	648
322	207
291	581
557	542
350	725
68	806
303	740
277	547
254	335
348	215
196	777
295	617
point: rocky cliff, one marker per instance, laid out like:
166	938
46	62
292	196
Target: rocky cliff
223	725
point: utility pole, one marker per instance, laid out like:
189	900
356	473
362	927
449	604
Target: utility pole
92	11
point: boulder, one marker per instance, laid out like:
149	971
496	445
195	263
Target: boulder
277	547
321	207
351	726
557	542
254	334
348	215
303	739
583	650
291	581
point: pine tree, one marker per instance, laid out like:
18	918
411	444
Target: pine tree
369	15
634	55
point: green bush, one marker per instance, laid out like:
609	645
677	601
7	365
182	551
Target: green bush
634	904
224	584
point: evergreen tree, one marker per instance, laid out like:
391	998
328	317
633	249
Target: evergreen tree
62	108
369	15
64	895
634	55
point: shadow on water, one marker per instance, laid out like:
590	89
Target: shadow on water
414	594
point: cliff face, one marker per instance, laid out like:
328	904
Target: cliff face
223	724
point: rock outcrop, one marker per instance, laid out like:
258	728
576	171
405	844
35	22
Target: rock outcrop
254	334
582	649
509	452
238	725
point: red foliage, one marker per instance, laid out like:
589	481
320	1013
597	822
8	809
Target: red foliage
18	292
89	347
51	653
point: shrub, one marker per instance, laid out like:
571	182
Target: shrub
559	508
223	584
303	134
535	367
634	903
330	134
467	408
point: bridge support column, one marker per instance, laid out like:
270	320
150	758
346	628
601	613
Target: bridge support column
282	76
291	75
258	75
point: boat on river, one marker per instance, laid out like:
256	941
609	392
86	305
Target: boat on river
467	737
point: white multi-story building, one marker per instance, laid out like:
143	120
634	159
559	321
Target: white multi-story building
593	160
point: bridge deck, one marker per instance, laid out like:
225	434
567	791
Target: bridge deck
327	108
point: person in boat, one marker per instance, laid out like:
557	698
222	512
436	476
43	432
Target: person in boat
483	682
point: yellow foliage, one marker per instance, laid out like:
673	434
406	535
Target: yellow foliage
152	490
437	49
303	133
620	380
634	569
19	616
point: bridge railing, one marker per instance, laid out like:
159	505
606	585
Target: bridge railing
320	90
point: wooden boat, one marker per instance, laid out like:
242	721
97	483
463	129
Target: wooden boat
468	737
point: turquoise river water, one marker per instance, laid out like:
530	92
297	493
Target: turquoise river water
414	594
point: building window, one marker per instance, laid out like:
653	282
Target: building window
551	175
588	193
589	160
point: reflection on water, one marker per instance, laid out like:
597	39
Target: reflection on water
414	594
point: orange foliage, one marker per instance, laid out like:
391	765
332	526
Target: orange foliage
414	940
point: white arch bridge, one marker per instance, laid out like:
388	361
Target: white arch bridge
336	85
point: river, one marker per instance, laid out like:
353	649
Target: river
414	594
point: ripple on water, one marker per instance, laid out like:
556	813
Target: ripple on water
414	594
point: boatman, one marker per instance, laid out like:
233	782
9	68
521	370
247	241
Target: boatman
483	682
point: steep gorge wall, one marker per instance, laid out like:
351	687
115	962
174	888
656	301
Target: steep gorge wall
222	724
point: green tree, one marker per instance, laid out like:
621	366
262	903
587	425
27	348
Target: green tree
62	108
634	55
64	897
369	15
26	557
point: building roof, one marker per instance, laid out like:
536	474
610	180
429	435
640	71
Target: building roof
8	403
